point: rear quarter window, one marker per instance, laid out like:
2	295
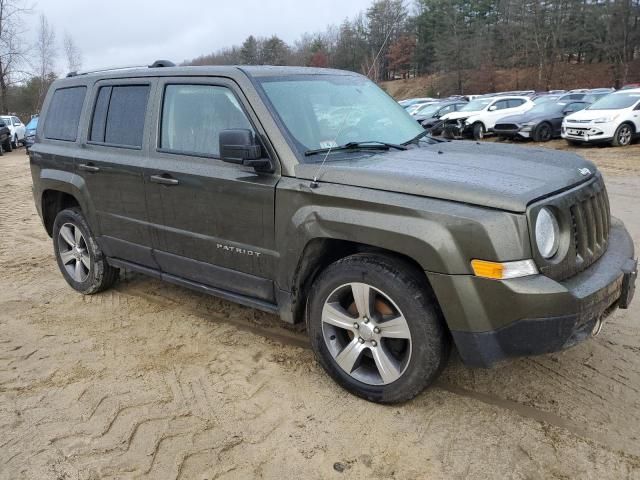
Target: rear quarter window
63	115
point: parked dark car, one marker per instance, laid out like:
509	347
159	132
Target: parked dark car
5	138
429	115
241	182
541	123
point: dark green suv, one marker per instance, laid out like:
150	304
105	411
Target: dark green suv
311	194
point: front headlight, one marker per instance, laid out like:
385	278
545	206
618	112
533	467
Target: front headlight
605	119
547	233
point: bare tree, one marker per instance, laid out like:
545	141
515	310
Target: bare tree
46	55
72	53
12	49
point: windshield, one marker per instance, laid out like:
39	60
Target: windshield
476	105
429	110
547	107
32	124
546	98
326	111
615	101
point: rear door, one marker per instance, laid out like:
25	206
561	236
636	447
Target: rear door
212	221
111	164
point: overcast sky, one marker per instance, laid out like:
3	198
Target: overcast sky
136	32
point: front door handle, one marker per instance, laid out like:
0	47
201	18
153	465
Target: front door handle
88	167
164	179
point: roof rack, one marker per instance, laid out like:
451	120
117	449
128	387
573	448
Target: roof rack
156	64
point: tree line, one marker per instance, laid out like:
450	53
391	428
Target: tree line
27	69
460	38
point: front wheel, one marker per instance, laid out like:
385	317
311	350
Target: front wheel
623	135
478	131
542	133
7	146
376	329
80	259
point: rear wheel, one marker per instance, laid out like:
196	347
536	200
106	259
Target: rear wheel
375	328
79	257
542	133
623	135
7	146
478	131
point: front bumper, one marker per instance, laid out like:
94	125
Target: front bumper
457	129
511	133
588	132
493	320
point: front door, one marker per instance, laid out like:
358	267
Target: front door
212	222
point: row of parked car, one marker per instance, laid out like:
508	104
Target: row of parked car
600	115
14	133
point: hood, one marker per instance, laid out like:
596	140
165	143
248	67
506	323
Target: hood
593	114
456	115
505	177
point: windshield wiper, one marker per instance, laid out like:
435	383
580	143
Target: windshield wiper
368	145
424	134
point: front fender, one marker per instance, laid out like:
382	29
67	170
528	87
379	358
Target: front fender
441	236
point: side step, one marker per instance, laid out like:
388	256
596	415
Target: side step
199	287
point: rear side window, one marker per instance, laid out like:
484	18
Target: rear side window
118	116
515	102
63	116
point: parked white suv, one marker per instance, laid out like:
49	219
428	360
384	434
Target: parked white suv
479	116
17	129
613	119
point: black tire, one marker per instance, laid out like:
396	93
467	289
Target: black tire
100	275
542	133
407	288
6	146
479	131
623	136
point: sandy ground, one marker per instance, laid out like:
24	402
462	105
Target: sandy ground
152	380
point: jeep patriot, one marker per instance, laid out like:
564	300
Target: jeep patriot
311	194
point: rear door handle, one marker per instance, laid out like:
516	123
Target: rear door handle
163	179
88	168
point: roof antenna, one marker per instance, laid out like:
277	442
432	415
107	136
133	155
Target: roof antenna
314	183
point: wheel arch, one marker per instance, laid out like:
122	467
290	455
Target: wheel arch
53	202
319	253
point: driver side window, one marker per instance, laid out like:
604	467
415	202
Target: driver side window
501	105
194	115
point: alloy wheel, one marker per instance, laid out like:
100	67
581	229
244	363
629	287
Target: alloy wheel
74	253
366	334
624	135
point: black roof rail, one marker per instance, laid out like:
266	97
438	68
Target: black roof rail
156	64
162	63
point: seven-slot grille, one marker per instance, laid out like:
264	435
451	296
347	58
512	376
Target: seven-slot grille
585	218
590	219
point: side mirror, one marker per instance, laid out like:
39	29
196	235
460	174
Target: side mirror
238	146
493	108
